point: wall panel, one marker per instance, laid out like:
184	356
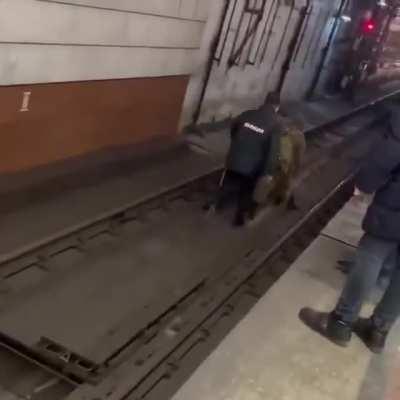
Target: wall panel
250	58
71	119
42	63
50	41
54	23
191	9
95	74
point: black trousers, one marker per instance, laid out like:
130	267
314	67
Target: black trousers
240	189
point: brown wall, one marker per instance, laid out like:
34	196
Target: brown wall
71	119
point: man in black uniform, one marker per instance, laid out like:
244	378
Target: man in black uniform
249	158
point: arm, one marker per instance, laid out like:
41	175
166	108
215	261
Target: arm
236	124
272	154
379	166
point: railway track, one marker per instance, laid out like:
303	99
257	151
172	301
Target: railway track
40	252
157	358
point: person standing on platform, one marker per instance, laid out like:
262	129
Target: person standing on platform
379	176
249	157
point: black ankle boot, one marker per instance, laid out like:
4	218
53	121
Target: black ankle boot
328	325
372	337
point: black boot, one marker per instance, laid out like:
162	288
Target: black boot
328	325
372	337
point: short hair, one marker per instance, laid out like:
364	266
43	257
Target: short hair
273	98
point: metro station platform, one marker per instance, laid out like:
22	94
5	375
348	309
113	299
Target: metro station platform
272	355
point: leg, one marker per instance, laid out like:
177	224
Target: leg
283	194
374	331
228	190
388	270
246	204
278	194
291	203
388	310
242	204
338	325
346	266
251	205
288	196
370	258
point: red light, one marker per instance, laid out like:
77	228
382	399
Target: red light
369	26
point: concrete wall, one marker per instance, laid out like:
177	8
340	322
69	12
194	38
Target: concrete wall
201	59
44	41
245	85
71	68
61	65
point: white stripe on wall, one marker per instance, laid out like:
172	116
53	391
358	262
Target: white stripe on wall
191	9
25	64
38	22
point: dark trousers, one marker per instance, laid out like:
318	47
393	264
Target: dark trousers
240	189
373	255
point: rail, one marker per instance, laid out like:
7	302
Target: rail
161	348
35	252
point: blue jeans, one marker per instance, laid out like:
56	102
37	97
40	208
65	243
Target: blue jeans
372	254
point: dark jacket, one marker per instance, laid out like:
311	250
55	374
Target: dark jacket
381	175
252	141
